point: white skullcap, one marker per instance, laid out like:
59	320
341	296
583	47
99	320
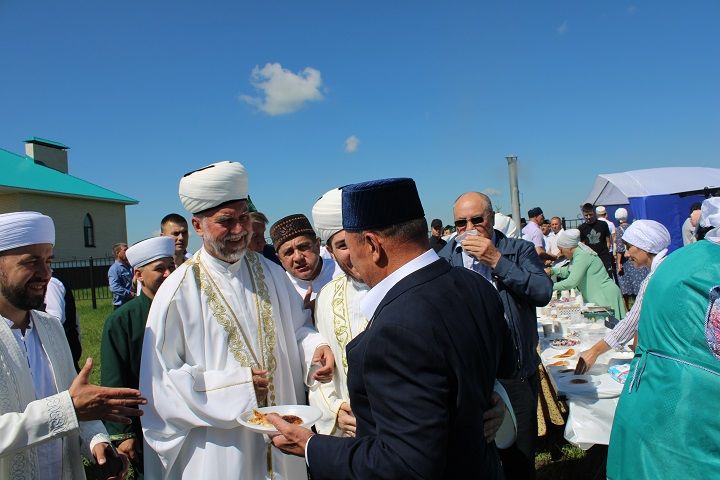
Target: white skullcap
213	185
327	214
506	225
710	212
150	250
600	210
569	238
647	235
19	229
621	213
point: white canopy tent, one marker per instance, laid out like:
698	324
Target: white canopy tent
617	188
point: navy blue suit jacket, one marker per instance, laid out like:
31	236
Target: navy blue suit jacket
420	378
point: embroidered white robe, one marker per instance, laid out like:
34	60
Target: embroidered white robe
26	422
338	319
196	367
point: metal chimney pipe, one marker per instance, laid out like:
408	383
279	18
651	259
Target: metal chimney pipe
514	190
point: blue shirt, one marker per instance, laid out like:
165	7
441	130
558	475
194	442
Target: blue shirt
120	277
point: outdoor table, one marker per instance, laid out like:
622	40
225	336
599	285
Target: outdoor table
590	410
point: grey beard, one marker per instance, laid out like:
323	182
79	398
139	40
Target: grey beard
222	251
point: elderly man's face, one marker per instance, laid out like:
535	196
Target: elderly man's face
24	275
472	212
300	256
555	225
179	232
226	231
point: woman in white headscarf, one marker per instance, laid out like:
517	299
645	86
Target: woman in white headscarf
587	273
646	244
630	276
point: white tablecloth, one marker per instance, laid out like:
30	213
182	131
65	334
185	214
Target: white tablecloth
591	411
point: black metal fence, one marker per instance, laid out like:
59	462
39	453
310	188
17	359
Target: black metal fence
571	222
87	278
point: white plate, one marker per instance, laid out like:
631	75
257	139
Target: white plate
309	415
507	433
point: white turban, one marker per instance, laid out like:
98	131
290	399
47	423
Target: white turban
213	185
569	238
621	214
506	225
710	212
327	214
600	210
150	250
19	229
647	235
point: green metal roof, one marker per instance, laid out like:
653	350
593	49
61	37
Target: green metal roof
22	173
45	141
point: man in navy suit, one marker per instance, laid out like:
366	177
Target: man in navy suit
422	373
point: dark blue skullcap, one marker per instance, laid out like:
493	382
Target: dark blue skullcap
534	212
380	204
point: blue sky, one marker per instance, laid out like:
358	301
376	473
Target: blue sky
143	92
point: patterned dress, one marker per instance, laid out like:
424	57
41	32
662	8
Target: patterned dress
632	276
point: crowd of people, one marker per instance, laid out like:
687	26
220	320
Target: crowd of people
412	346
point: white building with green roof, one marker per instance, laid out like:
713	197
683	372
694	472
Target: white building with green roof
89	219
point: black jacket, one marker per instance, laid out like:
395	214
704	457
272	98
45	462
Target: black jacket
420	378
523	285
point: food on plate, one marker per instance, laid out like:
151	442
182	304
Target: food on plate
569	353
564	342
258	418
561	363
567	370
578	380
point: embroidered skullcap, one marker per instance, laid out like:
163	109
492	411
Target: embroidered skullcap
506	225
19	229
149	250
569	238
380	203
290	227
327	214
710	212
534	212
212	186
600	210
621	214
647	235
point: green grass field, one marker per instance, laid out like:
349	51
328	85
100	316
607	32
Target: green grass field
556	458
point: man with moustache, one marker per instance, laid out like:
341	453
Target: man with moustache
45	409
226	333
175	226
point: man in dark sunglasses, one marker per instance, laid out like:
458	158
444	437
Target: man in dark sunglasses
515	269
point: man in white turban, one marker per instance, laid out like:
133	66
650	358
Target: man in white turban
646	245
45	409
121	344
226	333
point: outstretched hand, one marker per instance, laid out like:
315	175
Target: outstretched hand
323	357
292	438
93	402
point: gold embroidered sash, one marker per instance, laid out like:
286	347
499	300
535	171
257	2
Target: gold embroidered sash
341	317
240	345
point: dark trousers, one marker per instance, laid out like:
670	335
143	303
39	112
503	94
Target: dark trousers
519	460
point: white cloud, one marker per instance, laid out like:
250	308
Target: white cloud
351	144
562	28
492	192
282	91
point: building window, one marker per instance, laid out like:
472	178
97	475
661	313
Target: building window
89	229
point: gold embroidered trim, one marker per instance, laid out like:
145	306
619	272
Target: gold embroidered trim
341	318
266	323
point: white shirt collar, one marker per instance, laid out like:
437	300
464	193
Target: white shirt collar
375	295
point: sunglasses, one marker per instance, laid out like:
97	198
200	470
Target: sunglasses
474	220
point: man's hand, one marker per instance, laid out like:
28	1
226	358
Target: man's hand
493	418
111	465
92	402
324	357
482	249
131	448
260	382
309	304
292	438
346	420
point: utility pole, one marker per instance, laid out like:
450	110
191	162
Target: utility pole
514	190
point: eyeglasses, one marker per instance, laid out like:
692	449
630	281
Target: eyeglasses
461	223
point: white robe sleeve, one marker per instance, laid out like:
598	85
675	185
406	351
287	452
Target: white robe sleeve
45	419
326	397
92	433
